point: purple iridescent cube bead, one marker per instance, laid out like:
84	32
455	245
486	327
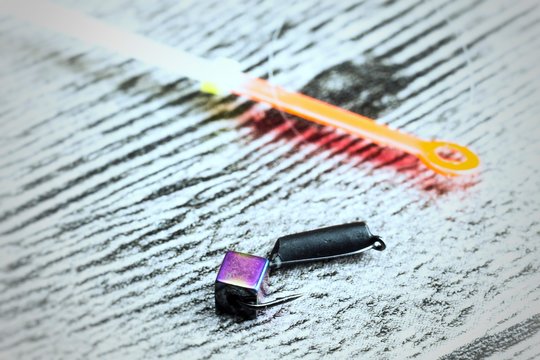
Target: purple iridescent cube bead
241	279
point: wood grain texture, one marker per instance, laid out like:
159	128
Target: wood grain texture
121	187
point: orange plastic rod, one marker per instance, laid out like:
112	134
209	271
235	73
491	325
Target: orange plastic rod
429	152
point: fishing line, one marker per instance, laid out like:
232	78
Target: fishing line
271	61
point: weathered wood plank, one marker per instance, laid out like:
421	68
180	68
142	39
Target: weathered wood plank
122	186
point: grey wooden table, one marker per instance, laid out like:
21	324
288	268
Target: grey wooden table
121	186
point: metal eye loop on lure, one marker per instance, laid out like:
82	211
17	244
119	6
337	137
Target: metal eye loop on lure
379	245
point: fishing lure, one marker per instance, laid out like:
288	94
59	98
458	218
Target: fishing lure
241	283
225	77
